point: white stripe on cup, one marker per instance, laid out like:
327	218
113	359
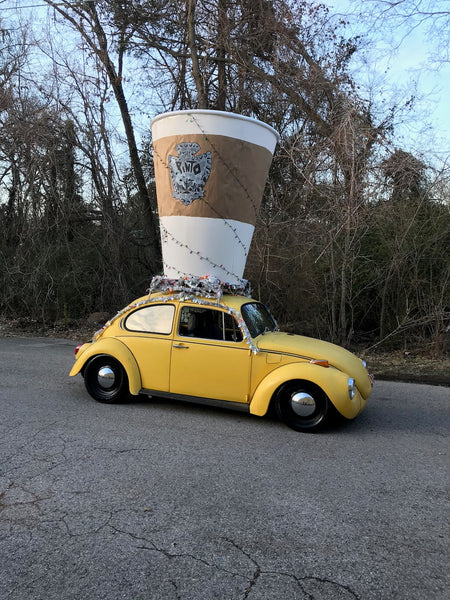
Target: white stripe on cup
202	246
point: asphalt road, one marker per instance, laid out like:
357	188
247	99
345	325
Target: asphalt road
156	500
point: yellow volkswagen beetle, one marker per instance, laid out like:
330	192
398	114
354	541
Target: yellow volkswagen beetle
227	352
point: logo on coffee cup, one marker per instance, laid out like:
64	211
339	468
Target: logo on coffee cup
189	173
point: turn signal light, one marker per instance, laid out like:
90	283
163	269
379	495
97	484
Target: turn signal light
320	362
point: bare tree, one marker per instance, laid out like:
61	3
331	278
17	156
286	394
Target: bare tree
348	245
86	20
409	15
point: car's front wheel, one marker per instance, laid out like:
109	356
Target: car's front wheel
106	379
302	406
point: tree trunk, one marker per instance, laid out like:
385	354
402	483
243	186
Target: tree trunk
100	47
196	74
222	30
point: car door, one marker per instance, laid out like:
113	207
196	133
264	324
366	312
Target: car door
210	359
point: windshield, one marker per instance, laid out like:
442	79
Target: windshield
257	318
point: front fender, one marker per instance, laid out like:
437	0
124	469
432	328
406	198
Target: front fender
332	381
117	349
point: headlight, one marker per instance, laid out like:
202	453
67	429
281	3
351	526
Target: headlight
351	388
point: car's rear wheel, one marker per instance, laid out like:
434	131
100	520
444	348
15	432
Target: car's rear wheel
302	406
106	380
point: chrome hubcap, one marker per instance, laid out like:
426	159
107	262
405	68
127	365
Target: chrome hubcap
303	404
106	377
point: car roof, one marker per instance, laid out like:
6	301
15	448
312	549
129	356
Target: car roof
227	300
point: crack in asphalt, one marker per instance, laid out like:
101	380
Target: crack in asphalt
312	578
25	450
63	519
119	450
170	555
58	455
35	498
299	580
148	545
2	495
257	573
175	587
28	497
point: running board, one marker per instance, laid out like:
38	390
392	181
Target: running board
240	406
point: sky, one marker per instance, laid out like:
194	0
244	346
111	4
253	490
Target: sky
392	66
396	64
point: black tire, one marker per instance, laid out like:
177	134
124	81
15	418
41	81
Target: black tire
106	380
302	406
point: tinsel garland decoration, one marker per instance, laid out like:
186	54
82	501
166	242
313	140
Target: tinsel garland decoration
206	286
184	297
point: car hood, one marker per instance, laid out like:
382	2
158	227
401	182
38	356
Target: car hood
310	349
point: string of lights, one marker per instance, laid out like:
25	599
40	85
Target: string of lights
230	170
167	234
211	206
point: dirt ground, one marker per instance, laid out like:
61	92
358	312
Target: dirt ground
398	366
391	366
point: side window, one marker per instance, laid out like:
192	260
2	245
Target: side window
157	318
209	324
231	328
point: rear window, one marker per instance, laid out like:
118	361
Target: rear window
157	318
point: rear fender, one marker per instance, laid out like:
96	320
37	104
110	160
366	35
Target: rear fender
333	382
117	349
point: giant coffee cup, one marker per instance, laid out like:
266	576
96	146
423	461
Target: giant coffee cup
210	169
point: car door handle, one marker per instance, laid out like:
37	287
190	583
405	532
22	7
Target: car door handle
181	346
